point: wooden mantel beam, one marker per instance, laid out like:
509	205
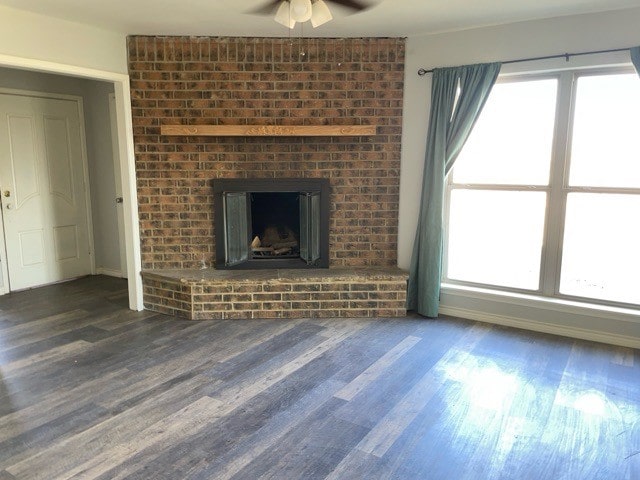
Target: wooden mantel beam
268	130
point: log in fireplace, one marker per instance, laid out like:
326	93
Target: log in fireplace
271	223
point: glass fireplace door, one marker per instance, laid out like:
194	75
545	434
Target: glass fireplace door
236	230
310	227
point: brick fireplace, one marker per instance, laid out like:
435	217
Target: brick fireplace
265	81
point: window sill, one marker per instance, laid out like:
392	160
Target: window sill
546	303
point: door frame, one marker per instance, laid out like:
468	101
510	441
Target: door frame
126	153
113	122
85	175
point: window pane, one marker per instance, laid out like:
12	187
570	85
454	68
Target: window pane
496	237
604	146
601	254
512	140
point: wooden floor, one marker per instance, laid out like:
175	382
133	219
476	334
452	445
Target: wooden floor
90	389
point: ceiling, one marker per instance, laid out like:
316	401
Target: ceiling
387	18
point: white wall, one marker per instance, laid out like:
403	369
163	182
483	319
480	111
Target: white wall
28	35
618	29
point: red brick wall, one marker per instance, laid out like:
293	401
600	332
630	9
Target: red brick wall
266	81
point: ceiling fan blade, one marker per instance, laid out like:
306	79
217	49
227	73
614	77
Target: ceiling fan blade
268	8
353	4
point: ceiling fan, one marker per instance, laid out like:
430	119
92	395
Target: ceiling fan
288	12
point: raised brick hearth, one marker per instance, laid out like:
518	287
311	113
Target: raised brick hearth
320	293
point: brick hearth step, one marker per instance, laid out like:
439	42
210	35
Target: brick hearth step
243	294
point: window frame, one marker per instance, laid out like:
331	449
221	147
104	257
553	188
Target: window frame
557	190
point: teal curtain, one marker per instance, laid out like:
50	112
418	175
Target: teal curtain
635	58
457	97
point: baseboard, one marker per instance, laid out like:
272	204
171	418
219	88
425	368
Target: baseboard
109	272
554	329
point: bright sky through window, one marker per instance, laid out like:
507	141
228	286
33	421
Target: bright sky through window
516	205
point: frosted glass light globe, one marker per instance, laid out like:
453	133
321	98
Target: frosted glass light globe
301	10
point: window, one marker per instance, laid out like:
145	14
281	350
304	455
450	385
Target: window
545	196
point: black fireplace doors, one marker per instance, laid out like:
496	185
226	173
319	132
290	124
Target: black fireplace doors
271	223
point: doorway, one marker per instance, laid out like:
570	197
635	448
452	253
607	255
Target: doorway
120	83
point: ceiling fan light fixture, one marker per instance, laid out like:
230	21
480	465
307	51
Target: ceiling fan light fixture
321	14
283	15
301	10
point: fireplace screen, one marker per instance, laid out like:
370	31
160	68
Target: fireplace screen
271	223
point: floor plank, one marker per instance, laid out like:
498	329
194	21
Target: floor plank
92	390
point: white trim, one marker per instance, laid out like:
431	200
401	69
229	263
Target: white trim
115	149
109	272
32	93
606	60
129	193
543	327
4	268
595	322
127	157
61	68
87	187
551	253
545	303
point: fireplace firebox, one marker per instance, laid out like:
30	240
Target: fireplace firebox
271	223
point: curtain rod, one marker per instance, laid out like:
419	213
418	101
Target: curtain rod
566	56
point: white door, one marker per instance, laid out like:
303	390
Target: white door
42	186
